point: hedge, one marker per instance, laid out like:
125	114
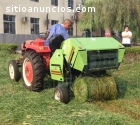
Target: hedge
133	49
8	47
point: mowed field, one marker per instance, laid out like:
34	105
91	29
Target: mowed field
19	106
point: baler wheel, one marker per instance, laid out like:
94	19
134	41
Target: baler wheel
13	70
61	94
33	71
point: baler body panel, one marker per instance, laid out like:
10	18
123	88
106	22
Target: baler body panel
56	65
70	49
93	54
81	60
120	54
99	43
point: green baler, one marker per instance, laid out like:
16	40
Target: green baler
85	58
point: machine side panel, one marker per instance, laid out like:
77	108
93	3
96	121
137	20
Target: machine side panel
81	60
70	49
99	43
56	65
120	54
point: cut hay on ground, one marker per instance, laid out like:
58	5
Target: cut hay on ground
87	88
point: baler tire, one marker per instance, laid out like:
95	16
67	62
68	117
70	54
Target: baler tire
13	66
34	78
63	94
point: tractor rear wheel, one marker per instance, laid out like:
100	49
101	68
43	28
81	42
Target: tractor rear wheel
13	70
61	94
33	71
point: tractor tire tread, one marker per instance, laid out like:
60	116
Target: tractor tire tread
16	70
38	71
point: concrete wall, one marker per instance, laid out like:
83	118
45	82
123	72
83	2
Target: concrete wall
16	38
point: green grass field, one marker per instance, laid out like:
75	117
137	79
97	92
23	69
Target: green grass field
19	106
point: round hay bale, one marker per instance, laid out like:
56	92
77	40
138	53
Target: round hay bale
94	88
80	89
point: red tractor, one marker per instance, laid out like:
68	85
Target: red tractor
34	63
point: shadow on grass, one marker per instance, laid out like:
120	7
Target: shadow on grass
121	86
49	83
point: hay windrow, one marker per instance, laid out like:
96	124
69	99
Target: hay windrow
94	88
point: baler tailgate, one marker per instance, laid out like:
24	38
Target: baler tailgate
102	59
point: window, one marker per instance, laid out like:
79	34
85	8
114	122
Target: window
54	2
70	31
9	24
35	0
34	25
54	22
70	4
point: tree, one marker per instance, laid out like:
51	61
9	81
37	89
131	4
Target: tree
112	13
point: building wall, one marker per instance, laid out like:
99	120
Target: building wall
24	28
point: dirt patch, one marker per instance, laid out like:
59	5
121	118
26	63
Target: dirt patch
130	57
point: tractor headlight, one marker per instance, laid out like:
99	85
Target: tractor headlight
41	47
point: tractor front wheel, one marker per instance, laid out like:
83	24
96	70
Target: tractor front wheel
13	70
33	71
61	94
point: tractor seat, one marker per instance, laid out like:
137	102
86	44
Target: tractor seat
55	42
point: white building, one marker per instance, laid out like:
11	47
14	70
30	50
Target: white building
24	19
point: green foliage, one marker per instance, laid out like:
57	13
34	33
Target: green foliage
8	47
113	14
134	49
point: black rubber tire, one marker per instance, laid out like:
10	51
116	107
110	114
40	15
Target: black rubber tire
35	59
64	94
16	73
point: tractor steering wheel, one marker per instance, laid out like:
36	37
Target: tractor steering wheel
43	35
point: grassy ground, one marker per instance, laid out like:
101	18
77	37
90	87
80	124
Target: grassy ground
19	106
